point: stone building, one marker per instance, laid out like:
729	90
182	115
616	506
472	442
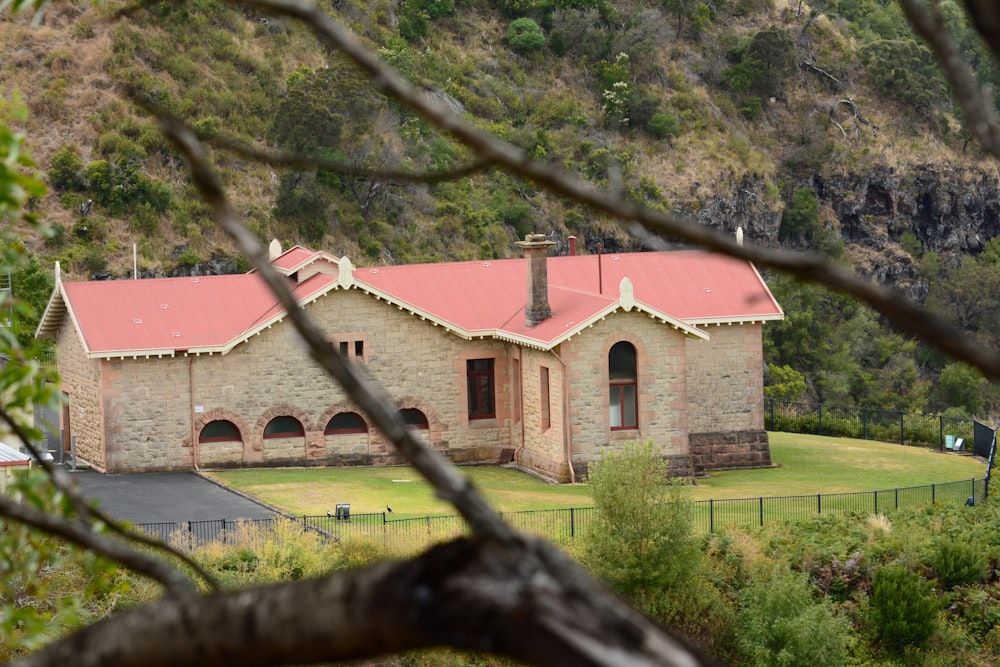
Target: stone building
548	361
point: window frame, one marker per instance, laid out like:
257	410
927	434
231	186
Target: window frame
545	397
236	437
363	428
620	380
485	406
423	425
284	434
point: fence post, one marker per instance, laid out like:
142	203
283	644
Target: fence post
711	516
190	536
897	497
933	494
973	490
762	511
819	503
940	433
875	493
572	523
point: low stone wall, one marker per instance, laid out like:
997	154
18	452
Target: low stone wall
733	449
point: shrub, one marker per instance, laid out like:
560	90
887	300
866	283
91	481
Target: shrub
801	216
642	539
957	563
66	170
664	126
780	623
903	613
524	35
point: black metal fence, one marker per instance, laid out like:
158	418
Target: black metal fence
564	525
905	428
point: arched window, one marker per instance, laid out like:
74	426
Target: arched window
346	422
284	427
414	418
624	389
220	430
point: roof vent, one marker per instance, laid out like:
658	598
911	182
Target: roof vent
136	321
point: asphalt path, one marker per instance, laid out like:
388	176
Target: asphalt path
159	497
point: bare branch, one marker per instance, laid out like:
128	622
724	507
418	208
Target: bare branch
808	64
980	116
521	598
300	161
84	536
904	314
985	16
88	515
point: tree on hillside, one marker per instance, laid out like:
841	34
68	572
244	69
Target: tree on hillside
496	590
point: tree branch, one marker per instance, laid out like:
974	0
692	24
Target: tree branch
171	579
980	115
297	160
985	16
115	550
521	598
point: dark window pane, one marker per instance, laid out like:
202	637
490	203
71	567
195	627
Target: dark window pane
347	422
414	418
219	430
283	427
621	362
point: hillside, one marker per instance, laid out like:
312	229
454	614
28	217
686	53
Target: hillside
824	126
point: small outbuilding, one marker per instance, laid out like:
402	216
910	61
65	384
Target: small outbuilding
11	461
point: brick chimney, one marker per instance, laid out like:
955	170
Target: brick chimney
535	247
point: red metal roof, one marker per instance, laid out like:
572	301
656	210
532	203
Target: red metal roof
213	313
691	286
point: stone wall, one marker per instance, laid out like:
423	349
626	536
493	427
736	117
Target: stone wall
662	387
156	407
726	380
728	450
726	394
81	384
544	446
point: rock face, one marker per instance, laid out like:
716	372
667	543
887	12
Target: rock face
950	211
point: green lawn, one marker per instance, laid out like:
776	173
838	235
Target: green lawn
807	465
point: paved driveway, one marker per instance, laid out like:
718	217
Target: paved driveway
165	497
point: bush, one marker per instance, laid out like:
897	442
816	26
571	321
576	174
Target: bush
801	216
957	563
66	170
903	613
524	36
664	126
642	539
780	623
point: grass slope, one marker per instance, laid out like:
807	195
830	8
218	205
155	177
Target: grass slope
808	465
